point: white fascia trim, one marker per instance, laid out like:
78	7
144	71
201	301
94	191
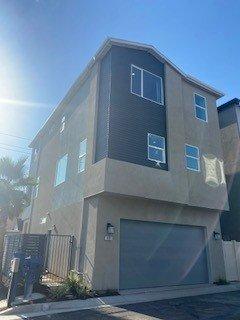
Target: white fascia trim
153	50
99	54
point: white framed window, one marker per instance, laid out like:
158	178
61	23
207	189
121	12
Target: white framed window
200	104
82	155
36	188
192	157
156	148
63	124
146	85
61	170
35	154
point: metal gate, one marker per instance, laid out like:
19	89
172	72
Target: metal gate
29	244
59	257
57	252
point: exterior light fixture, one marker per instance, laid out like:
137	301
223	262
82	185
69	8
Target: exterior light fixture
110	228
43	220
216	235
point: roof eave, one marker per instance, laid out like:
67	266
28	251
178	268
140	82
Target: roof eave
99	54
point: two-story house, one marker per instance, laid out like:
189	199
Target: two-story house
229	121
130	163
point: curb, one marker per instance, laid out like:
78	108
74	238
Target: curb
40	309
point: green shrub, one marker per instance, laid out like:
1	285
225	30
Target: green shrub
221	281
75	285
59	292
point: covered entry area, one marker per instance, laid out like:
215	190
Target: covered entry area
156	254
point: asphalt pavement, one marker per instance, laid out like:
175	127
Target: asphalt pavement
221	306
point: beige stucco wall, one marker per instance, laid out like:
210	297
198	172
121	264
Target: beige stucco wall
176	185
63	205
205	135
102	257
174	196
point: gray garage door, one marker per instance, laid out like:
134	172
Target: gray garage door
159	254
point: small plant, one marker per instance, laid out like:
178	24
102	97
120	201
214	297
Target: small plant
75	285
59	292
221	281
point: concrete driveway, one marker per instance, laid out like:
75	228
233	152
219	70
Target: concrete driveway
222	306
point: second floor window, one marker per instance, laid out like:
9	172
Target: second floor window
156	148
200	107
146	84
82	155
61	170
192	157
35	154
63	124
36	188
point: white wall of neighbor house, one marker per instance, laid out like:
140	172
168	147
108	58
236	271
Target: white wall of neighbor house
231	250
101	261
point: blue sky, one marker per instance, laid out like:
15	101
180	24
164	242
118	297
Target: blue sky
45	44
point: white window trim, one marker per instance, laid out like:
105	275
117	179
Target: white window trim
161	103
56	170
159	148
197	158
196	105
36	188
35	154
81	156
63	124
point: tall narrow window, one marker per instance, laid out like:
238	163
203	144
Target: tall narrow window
146	85
200	107
192	157
82	155
36	188
35	154
156	148
61	170
63	124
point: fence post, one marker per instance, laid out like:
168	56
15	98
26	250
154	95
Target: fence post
70	258
48	237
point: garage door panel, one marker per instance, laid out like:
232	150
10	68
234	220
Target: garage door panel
156	254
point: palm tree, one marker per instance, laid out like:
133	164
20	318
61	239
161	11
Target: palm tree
14	195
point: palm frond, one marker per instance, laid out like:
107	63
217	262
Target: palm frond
12	170
6	168
14	196
19	168
25	182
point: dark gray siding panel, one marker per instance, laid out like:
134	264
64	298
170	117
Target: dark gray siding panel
230	221
159	254
227	117
103	109
132	117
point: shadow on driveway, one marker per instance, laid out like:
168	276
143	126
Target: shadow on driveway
223	306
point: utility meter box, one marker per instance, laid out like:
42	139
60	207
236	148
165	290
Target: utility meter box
15	263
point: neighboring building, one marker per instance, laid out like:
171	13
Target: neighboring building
229	121
130	163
